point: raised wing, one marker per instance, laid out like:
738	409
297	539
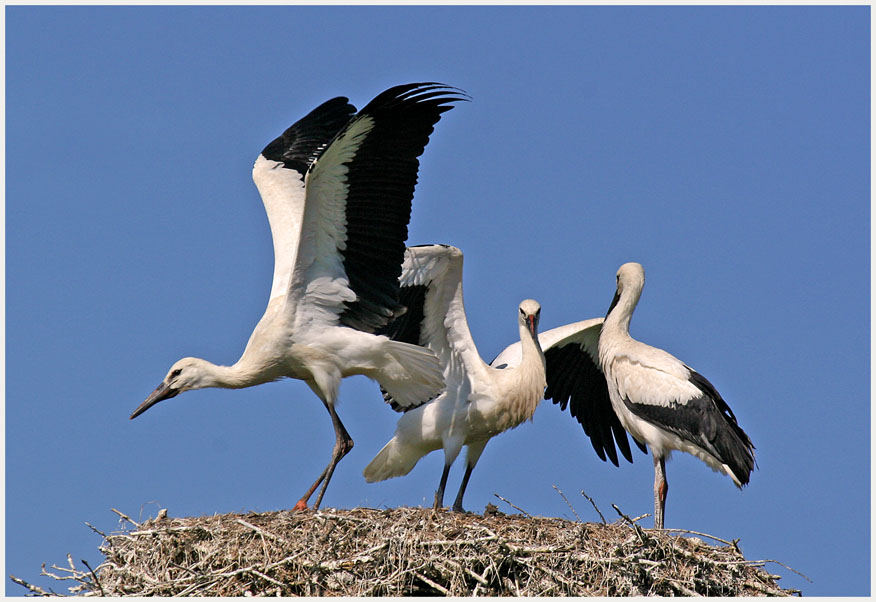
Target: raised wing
574	379
279	175
434	316
358	205
430	275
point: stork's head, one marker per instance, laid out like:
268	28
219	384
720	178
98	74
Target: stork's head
530	310
631	274
188	373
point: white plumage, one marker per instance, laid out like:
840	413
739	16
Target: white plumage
663	402
482	401
479	401
337	190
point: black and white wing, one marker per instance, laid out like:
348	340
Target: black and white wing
357	209
434	316
731	444
659	388
574	379
279	174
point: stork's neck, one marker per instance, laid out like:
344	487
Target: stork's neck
529	376
531	353
617	322
616	327
237	376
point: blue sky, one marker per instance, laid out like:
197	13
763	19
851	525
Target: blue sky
724	148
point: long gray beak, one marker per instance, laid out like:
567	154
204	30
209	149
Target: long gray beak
162	392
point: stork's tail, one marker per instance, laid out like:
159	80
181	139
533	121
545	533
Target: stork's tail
394	460
413	376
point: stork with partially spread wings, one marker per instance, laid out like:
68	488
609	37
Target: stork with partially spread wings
337	188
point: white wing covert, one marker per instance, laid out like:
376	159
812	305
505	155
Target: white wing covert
585	332
279	174
574	380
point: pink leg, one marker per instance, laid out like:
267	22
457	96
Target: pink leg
343	445
661	487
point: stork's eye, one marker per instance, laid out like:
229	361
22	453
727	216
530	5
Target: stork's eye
175	373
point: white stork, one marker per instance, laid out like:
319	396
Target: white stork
480	401
663	402
337	189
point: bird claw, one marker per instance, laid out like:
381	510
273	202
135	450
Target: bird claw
301	505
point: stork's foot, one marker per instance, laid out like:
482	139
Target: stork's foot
459	508
301	505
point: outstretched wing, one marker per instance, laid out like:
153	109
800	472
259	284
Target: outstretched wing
279	174
574	379
357	208
434	316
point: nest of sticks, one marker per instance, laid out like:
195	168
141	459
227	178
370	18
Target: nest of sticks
409	551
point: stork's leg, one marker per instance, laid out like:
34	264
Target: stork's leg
343	445
452	447
475	449
660	489
439	495
457	503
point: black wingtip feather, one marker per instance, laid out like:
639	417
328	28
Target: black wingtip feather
732	443
419	91
380	186
575	380
303	142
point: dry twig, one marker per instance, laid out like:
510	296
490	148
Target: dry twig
595	507
518	508
562	495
